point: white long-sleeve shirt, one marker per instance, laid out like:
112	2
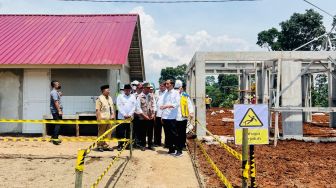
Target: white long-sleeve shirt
126	105
190	109
159	96
171	97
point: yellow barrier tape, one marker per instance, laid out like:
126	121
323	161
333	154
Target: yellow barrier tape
101	138
246	170
24	139
95	184
223	145
65	121
214	166
80	160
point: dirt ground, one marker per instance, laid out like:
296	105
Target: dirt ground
318	128
42	164
290	164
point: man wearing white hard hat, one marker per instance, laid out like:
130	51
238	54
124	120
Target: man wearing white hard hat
185	112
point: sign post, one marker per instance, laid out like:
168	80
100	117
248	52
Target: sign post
251	128
255	118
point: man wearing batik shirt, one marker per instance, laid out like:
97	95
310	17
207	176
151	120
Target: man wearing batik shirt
147	109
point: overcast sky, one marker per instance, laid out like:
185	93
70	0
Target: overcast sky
172	33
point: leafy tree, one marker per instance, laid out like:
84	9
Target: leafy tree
269	39
227	83
209	80
223	93
320	91
298	30
177	73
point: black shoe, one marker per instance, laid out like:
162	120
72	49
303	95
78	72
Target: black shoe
108	149
151	148
119	148
55	142
143	148
171	152
184	149
178	154
100	149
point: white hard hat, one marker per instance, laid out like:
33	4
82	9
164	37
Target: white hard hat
135	82
178	84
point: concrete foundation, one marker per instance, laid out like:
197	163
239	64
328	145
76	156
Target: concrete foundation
278	77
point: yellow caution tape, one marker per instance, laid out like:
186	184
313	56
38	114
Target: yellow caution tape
214	166
65	121
99	139
95	184
222	144
246	170
80	160
24	139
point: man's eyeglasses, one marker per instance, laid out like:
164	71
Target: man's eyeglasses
167	83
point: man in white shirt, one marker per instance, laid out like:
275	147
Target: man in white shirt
158	124
136	121
169	107
126	104
185	111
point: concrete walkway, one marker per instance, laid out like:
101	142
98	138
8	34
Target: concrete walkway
158	169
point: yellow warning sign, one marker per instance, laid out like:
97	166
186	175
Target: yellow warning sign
250	119
255	136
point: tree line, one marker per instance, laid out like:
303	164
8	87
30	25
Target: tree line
299	29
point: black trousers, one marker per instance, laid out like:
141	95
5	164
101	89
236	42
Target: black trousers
157	131
166	134
136	130
181	131
146	131
123	131
172	135
57	128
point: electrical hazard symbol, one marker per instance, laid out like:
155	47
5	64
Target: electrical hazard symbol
250	119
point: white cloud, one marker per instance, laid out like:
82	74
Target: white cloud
171	49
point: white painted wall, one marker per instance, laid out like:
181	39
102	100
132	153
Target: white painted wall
77	104
125	75
9	101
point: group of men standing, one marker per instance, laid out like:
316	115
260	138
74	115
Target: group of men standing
169	108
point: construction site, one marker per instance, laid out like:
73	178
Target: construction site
272	136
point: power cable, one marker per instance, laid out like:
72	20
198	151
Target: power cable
319	8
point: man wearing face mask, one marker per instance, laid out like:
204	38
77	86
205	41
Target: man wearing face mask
104	111
147	109
56	109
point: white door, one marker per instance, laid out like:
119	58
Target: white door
35	97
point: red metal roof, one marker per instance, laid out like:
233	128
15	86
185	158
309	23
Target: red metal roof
66	39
